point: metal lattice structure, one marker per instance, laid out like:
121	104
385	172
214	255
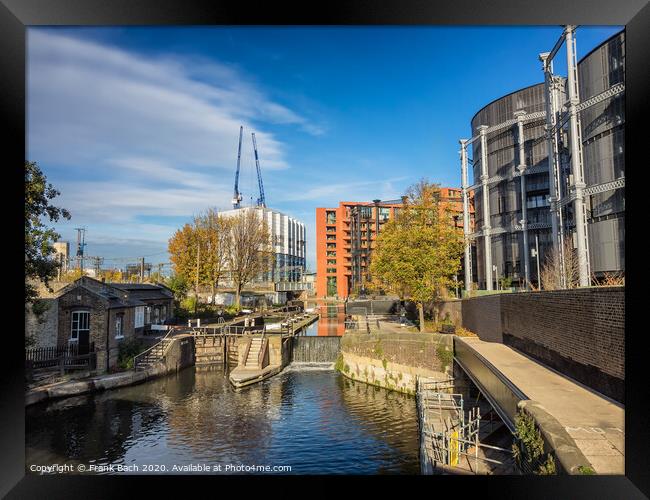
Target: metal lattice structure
579	197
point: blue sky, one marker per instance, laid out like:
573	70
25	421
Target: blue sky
138	126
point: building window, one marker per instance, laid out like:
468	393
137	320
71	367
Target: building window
366	212
502	204
331	270
331	245
163	314
331	236
384	214
331	217
139	317
147	316
331	254
156	316
537	201
119	320
331	261
80	324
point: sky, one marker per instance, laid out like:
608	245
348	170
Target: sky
138	127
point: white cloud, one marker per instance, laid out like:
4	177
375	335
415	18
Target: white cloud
350	191
142	135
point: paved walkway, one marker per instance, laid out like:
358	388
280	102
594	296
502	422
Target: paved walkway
595	423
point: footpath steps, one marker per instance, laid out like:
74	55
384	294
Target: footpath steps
253	354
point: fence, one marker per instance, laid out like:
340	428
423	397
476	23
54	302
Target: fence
65	357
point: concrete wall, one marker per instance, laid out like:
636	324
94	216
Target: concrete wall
394	360
180	354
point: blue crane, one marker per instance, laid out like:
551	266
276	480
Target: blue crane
236	200
261	202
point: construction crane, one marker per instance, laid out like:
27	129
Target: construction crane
236	199
261	202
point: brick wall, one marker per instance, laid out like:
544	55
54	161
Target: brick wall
580	333
482	315
42	328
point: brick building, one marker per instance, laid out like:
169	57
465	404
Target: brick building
100	316
345	238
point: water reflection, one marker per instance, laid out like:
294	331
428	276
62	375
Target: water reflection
314	421
332	319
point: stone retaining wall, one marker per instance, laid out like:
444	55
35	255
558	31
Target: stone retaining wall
394	360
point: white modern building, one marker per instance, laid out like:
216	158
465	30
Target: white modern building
289	243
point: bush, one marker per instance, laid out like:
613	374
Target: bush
128	349
464	332
528	448
233	310
189	303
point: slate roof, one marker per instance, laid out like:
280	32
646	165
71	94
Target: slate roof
120	294
144	291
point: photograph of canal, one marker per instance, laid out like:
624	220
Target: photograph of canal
325	250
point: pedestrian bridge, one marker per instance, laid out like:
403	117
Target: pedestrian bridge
579	423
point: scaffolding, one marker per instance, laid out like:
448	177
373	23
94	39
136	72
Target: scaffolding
450	435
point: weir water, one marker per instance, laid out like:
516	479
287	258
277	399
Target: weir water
315	349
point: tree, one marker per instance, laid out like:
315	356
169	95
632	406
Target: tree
213	232
71	275
250	253
418	253
551	272
112	275
177	283
183	251
38	237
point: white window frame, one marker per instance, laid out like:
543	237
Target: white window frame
139	317
78	313
119	320
147	315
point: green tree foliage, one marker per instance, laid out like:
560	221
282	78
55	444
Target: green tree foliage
418	253
38	237
178	284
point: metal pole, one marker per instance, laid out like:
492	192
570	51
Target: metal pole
522	172
552	159
466	218
539	280
576	158
487	240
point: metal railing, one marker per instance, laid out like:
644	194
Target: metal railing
263	348
138	357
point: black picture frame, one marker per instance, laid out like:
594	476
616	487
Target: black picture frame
16	15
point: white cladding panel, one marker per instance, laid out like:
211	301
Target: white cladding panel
287	233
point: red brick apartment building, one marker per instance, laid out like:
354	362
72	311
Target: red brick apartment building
345	237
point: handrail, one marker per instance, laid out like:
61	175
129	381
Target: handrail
260	355
246	350
137	356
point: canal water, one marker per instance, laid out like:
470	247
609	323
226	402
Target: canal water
314	420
